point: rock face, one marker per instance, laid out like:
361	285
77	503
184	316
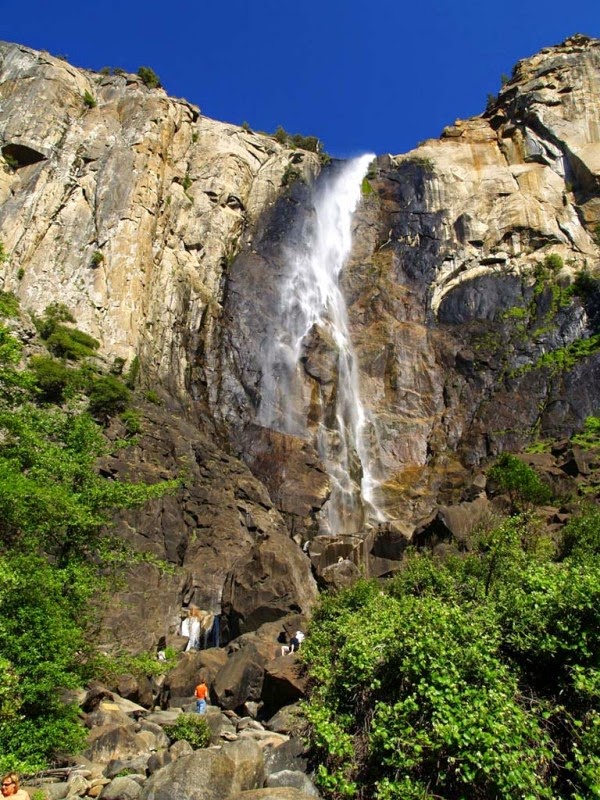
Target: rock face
165	232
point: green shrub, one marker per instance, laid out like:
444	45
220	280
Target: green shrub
191	727
52	378
54	314
149	77
521	482
152	397
117	366
133	373
97	258
20	274
71	343
468	677
89	100
3	254
186	182
9	304
553	262
132	421
108	397
290	174
590	436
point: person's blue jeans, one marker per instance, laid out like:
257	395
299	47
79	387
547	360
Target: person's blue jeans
201	706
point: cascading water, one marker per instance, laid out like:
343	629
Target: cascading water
312	312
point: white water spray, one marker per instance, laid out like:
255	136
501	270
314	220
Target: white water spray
313	311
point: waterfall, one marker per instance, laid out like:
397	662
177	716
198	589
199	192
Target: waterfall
312	314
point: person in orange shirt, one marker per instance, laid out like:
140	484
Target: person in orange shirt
201	695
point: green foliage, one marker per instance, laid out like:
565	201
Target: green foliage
52	378
3	254
296	140
97	258
521	482
54	314
152	397
20	274
290	174
55	550
553	262
108	396
149	77
366	187
186	182
89	100
71	343
9	305
133	373
117	366
590	436
246	127
132	421
469	677
191	727
581	536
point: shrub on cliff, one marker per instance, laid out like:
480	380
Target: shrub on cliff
522	483
149	77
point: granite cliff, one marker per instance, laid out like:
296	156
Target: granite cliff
164	233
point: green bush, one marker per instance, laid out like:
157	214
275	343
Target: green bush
149	77
191	727
71	343
9	305
97	258
132	421
133	373
3	254
89	100
52	378
476	676
521	482
55	555
108	397
553	262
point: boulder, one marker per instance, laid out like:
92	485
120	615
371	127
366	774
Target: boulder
124	788
240	679
191	669
294	778
213	774
285	682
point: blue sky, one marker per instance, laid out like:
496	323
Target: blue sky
362	75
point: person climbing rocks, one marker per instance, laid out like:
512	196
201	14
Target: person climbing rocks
294	644
296	641
11	787
201	695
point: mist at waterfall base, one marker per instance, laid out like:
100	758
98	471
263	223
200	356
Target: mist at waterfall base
323	404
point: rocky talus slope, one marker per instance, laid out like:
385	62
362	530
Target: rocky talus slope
164	231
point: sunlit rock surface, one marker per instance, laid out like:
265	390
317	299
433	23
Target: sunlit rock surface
164	232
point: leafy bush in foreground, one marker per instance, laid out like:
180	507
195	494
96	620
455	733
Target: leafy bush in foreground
475	677
191	727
